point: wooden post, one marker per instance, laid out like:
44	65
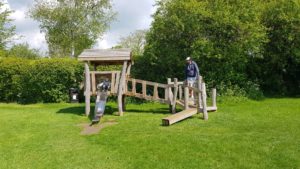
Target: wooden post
155	91
128	69
87	89
121	87
180	92
94	85
175	95
199	94
170	91
166	94
144	86
200	88
205	115
112	86
117	82
214	97
133	87
186	97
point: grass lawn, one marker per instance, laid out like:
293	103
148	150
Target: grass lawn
248	134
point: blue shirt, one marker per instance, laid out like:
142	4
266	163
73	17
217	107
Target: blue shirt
191	70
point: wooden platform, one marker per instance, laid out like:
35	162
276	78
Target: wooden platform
178	116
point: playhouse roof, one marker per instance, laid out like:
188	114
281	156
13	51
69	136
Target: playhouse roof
106	56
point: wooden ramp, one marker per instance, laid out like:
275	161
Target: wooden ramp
178	116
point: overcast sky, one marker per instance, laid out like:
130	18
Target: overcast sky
131	15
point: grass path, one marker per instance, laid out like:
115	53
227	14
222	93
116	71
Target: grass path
250	134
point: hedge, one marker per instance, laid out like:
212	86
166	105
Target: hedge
41	80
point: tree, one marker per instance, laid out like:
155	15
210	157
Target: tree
219	35
23	51
72	25
135	41
279	69
7	30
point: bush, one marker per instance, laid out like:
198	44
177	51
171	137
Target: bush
41	80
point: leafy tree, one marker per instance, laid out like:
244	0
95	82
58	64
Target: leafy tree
279	69
135	41
220	36
7	30
72	25
23	51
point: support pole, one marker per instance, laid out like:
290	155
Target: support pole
87	89
205	115
120	88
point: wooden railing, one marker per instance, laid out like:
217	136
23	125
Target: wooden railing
146	85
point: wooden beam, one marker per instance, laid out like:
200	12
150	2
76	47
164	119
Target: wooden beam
87	89
155	92
205	115
178	116
121	87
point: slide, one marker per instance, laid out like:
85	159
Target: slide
101	99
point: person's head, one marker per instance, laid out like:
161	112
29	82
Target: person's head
188	60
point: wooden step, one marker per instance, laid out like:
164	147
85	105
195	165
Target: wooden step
178	117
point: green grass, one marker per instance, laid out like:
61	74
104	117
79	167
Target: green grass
249	134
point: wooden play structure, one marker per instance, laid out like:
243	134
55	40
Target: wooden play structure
122	85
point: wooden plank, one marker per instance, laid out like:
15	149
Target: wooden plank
160	85
87	89
178	116
144	86
186	97
205	115
120	88
104	72
175	95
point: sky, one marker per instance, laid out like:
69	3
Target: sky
131	15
